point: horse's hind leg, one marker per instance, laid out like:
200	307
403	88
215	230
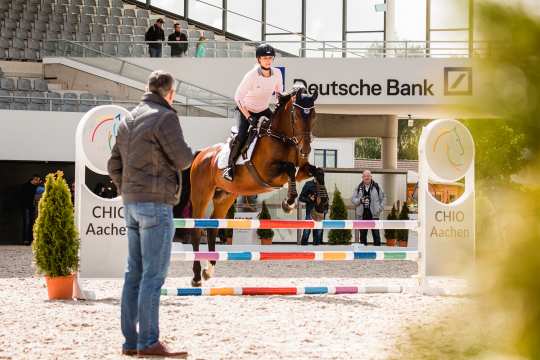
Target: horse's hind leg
200	197
222	203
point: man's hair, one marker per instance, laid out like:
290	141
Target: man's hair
176	24
160	83
160	20
35	176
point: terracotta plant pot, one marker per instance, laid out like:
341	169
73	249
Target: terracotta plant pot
229	241
402	243
391	242
266	241
60	287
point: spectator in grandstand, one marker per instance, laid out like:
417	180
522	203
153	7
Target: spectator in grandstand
369	200
152	140
28	194
155	33
178	49
201	47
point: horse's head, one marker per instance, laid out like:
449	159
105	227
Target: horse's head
301	107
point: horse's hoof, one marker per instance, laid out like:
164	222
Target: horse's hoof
195	283
207	274
286	207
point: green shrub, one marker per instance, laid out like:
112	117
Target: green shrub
403	234
56	240
338	211
391	233
265	215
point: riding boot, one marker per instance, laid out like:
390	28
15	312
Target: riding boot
228	172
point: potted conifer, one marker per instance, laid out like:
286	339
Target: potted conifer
403	234
338	211
265	235
391	234
229	232
56	240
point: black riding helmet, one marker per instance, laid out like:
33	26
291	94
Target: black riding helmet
265	50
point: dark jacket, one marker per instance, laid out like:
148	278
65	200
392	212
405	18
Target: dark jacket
178	49
309	188
154	33
28	192
150	151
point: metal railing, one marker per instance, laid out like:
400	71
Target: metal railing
229	48
187	94
34	103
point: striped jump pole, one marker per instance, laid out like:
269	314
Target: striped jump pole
294	224
267	291
298	256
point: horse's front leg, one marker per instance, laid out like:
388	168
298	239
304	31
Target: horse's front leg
289	204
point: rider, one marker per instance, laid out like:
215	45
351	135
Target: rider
252	98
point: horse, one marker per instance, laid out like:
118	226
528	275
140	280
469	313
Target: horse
283	146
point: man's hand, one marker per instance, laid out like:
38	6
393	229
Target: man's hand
311	197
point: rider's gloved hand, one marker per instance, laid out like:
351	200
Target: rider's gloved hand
252	121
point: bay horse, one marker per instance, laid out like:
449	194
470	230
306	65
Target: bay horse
280	157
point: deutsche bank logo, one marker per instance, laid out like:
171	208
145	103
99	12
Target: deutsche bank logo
457	81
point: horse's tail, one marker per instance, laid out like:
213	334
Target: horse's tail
185	195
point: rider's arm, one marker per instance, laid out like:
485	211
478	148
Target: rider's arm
279	84
241	91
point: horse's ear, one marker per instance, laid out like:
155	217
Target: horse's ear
283	98
315	95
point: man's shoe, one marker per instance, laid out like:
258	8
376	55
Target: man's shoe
129	352
228	174
159	350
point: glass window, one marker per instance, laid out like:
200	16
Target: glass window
361	15
240	25
281	42
410	20
362	44
325	158
323	23
449	43
449	14
204	13
174	6
286	14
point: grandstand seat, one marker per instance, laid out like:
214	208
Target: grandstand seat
104	3
41	85
20	97
88	101
54	100
7	84
116	12
24	84
124	49
115	20
129	21
103	11
100	19
139	50
103	99
5	98
129	13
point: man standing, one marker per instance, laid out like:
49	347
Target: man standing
145	162
309	197
369	200
178	49
155	33
28	194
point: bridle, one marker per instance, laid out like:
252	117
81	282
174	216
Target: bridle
291	140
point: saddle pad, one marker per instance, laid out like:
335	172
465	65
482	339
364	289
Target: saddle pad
223	156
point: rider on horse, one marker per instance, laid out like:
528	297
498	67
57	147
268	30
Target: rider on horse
252	98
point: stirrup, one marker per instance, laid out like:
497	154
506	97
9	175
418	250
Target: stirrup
228	173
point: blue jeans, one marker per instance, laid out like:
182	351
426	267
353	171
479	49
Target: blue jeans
150	233
154	51
28	224
317	233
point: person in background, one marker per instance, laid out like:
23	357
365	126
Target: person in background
178	49
28	193
145	162
369	200
201	47
309	197
155	33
